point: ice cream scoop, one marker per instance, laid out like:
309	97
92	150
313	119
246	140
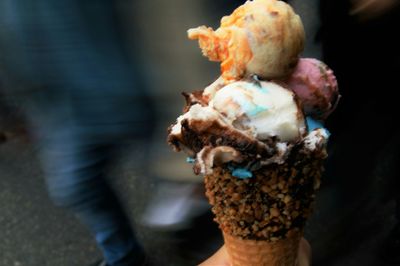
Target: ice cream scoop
261	37
249	116
257	109
262	109
316	86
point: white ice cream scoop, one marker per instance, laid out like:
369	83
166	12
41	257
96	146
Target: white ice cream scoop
262	109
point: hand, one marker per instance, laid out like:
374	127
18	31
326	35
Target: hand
369	9
221	258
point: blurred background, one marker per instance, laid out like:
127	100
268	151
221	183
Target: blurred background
163	199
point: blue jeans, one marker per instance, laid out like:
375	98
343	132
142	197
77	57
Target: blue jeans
75	166
75	155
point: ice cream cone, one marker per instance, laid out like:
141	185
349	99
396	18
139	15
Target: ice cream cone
262	218
248	133
263	253
270	204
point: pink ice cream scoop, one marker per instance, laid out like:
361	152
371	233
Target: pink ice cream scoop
316	86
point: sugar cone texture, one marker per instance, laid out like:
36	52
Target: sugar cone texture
263	253
267	206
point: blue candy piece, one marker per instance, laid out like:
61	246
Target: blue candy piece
190	160
257	110
313	124
242	173
263	90
328	134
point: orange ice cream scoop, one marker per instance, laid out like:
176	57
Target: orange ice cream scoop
261	37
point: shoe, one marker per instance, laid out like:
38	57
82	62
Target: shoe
179	213
175	205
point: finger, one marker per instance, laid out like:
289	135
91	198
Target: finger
304	255
220	258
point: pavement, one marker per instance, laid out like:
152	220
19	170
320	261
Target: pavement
33	231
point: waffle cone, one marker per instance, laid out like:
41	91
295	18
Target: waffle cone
262	218
267	206
244	252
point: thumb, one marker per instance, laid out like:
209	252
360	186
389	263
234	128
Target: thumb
220	258
304	255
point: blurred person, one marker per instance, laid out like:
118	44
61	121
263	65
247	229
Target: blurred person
179	197
178	207
69	64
